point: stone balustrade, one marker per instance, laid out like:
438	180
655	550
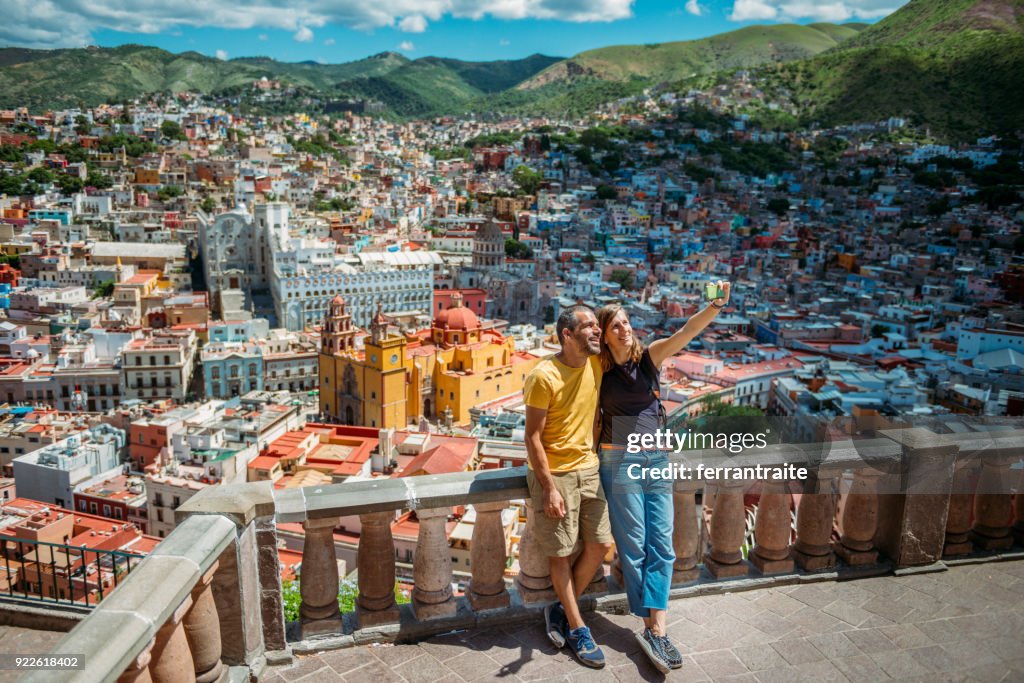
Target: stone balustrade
207	605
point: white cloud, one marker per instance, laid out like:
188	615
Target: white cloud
71	23
504	42
413	24
222	55
789	10
406	46
752	10
303	35
264	36
329	42
693	8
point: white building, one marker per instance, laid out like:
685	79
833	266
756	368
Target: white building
51	473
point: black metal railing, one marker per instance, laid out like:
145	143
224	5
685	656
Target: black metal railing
61	573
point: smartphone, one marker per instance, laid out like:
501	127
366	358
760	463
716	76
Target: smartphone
713	291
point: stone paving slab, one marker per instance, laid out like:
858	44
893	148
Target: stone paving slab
964	624
24	641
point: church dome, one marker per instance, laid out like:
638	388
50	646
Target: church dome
457	317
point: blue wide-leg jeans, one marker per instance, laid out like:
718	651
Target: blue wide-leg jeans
640	511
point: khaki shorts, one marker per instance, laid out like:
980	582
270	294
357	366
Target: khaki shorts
586	512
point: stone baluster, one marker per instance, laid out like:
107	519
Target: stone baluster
488	556
376	603
534	580
958	520
202	630
860	519
685	531
993	505
616	571
318	584
138	669
772	530
1018	524
172	659
815	517
432	569
728	526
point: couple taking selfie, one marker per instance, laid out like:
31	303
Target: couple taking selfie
600	387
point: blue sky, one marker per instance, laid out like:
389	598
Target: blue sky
343	30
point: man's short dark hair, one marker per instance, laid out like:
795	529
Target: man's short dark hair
567	319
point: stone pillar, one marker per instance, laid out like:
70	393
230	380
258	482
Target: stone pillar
172	660
488	556
860	519
993	505
958	522
1018	525
432	568
728	527
202	630
685	532
534	580
376	603
318	583
269	570
138	669
815	517
772	530
913	507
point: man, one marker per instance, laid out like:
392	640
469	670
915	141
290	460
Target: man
561	397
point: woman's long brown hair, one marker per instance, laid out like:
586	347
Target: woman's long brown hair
604	321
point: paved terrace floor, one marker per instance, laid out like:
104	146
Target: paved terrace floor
964	624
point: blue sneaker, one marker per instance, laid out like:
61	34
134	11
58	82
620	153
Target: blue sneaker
556	624
585	649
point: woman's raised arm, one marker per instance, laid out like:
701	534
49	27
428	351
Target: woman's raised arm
662	349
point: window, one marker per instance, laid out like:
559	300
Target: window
177	502
138	360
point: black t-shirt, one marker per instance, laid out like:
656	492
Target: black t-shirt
628	403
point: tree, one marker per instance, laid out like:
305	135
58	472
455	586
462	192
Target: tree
606	192
104	289
779	206
624	278
41	175
81	125
526	179
517	250
208	204
98	180
70	184
878	331
172	131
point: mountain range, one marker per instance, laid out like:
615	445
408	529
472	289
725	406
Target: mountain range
954	64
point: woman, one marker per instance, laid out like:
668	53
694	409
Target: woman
640	509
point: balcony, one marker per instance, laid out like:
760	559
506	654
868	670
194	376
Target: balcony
869	581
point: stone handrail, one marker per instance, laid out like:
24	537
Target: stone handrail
209	598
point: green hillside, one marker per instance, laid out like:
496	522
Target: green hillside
43	79
956	65
746	47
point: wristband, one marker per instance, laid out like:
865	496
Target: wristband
714	305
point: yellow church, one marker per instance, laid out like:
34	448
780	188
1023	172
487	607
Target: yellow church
399	377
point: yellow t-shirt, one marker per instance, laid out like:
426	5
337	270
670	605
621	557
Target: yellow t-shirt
570	396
